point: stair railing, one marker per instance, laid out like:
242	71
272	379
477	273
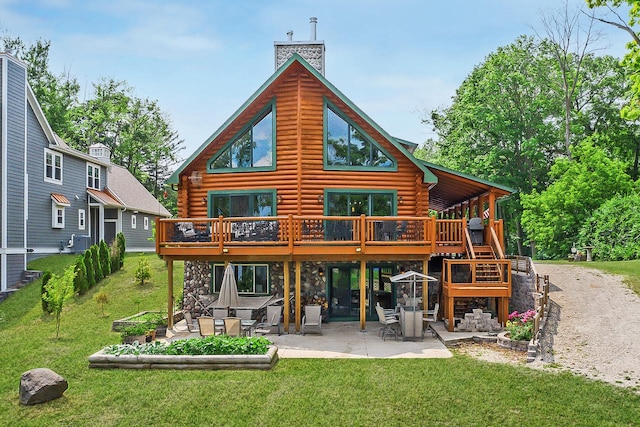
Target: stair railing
471	254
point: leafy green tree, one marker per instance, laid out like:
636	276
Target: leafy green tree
59	290
498	125
143	272
105	261
136	130
101	298
613	229
554	217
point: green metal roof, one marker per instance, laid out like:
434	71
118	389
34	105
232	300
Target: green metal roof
467	176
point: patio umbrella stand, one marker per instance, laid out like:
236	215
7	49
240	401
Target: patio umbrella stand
411	317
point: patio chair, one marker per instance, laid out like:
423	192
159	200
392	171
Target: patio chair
206	325
244	314
312	317
271	319
387	323
220	313
191	326
388	312
233	326
432	318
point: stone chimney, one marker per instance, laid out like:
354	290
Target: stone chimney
311	50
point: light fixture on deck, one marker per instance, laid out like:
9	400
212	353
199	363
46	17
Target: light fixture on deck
400	200
321	199
320	272
204	200
279	198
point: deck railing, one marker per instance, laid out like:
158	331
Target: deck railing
476	272
309	230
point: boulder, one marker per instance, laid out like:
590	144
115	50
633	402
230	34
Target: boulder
41	385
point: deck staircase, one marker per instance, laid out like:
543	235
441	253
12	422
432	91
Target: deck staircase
486	272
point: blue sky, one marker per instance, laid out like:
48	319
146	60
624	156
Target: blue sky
202	59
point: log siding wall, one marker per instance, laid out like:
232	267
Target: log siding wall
299	176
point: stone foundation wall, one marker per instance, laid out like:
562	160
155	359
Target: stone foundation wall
522	292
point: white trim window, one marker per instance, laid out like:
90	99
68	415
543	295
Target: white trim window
57	215
52	166
134	221
82	219
93	176
146	222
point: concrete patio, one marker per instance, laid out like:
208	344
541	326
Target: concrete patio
345	340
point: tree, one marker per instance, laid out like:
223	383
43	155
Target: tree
501	123
101	298
570	41
136	131
143	272
59	290
554	217
46	276
95	261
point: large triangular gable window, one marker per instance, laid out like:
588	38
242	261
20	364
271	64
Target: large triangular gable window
251	149
349	147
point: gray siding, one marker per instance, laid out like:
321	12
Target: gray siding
15	266
2	100
138	238
16	97
41	234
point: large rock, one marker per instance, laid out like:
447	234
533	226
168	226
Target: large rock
41	385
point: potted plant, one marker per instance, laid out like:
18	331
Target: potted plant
160	323
137	332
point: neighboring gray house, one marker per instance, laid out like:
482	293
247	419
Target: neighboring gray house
53	198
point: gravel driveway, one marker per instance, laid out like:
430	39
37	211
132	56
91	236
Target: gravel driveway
593	328
598	324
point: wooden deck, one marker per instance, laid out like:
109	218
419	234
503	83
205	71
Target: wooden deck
309	237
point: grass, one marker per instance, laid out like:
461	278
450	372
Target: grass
455	391
629	270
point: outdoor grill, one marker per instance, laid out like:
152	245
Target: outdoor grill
476	230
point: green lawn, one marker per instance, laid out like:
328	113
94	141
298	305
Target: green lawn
456	391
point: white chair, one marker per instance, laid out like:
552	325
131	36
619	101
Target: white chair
432	317
191	326
271	319
388	312
312	317
220	313
386	322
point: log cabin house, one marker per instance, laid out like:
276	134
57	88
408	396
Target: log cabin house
314	202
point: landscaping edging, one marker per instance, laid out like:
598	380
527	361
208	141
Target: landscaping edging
215	362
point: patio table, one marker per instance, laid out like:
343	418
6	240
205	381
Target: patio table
247	325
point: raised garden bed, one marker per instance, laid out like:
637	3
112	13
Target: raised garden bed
216	362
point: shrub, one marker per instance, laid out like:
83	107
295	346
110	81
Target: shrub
143	272
46	276
80	284
95	260
121	243
114	256
614	229
105	261
88	265
211	345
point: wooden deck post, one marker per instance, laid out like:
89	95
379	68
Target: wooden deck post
297	296
425	285
363	294
285	292
170	293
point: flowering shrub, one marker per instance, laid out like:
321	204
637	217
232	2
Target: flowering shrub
520	325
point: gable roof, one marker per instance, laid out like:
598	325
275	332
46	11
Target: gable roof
295	58
125	188
456	187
